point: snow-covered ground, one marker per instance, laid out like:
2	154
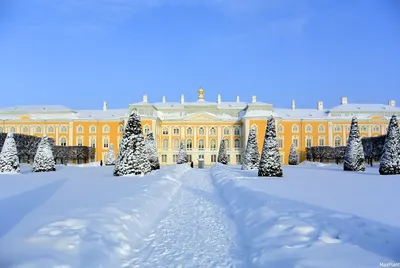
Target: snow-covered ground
315	216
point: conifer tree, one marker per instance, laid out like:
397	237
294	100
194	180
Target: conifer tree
110	159
251	158
130	158
182	156
390	159
9	161
151	151
222	156
354	159
293	155
270	163
44	159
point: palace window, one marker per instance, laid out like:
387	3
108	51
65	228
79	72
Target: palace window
106	129
189	131
176	131
189	157
79	141
50	129
321	128
189	144
280	128
321	141
92	129
377	129
165	144
79	129
227	144
338	141
175	158
105	143
226	131
363	128
119	141
213	144
280	142
308	129
93	142
164	158
63	141
213	158
237	131
237	144
25	129
38	129
295	141
213	132
238	159
308	142
12	129
165	131
201	131
338	128
176	144
146	129
201	144
295	128
1	130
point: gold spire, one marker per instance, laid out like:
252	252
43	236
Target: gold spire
201	94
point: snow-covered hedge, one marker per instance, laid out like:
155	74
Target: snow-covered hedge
325	153
373	146
64	154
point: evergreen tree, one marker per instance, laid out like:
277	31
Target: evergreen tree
222	156
293	155
9	161
182	156
44	159
354	159
130	158
390	160
151	151
251	158
270	163
110	159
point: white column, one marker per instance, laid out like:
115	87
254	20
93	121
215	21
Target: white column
330	133
70	133
171	143
56	128
246	129
369	126
344	135
207	129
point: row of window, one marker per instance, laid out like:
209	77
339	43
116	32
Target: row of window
201	144
63	129
92	141
309	141
201	131
213	158
321	128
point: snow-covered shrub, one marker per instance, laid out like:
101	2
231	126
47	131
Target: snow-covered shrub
182	156
222	156
270	163
44	159
110	159
251	158
390	160
293	156
151	151
9	161
130	158
354	159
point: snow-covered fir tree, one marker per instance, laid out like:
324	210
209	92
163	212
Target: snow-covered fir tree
110	159
222	156
151	151
130	158
270	163
293	160
182	156
354	159
390	160
44	159
251	158
9	161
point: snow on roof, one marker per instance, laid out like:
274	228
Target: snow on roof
352	107
259	113
101	114
302	113
36	108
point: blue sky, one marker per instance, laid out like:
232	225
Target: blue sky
80	52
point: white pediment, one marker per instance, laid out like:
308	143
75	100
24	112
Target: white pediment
202	117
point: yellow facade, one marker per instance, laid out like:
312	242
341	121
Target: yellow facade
202	124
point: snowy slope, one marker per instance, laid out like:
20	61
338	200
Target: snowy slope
316	216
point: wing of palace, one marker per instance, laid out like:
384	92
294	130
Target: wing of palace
202	124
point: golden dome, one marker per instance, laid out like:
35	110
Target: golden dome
201	94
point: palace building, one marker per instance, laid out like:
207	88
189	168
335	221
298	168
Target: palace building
202	124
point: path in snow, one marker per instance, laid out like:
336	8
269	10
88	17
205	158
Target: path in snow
196	233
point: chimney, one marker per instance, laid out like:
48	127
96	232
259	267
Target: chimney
182	98
392	103
144	98
237	99
104	106
344	100
320	105
163	99
219	98
253	99
293	105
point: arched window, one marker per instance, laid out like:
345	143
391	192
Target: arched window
321	128
38	129
363	128
176	131
201	131
79	141
308	142
63	129
338	128
280	128
321	141
189	144
165	144
79	129
93	142
176	144
106	129
213	132
189	131
105	142
377	129
92	129
226	131
280	142
227	144
201	144
338	141
295	128
165	131
295	141
12	129
308	128
255	128
25	129
63	141
237	144
1	130
50	129
146	129
237	131
213	144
